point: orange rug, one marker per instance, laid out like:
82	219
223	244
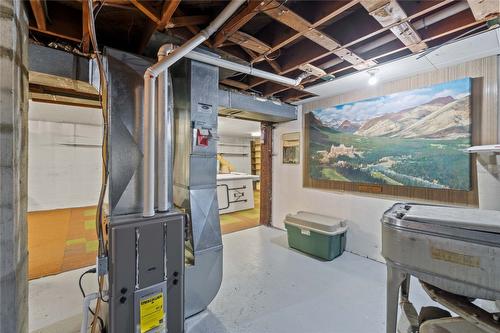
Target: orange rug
61	240
243	219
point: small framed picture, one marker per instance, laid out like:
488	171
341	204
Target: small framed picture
291	148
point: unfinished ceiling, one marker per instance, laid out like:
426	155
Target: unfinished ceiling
327	38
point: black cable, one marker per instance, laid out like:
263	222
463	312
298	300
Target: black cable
90	271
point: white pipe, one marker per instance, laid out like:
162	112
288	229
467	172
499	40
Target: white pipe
85	311
208	59
149	99
161	140
148	144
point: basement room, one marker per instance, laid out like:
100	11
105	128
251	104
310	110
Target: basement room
243	166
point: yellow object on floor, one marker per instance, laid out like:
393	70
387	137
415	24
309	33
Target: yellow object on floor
243	219
61	240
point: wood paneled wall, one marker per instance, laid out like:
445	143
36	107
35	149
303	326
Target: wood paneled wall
485	125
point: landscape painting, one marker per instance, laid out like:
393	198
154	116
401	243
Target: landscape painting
413	138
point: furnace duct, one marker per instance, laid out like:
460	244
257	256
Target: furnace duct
167	56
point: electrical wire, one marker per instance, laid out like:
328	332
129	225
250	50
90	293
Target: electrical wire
102	247
90	271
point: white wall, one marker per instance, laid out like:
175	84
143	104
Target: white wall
237	151
362	212
64	156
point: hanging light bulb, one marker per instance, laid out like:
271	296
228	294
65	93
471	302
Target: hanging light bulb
373	80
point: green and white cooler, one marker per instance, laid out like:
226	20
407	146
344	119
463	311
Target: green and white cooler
318	235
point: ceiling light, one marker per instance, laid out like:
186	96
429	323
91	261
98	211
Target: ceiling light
373	80
255	134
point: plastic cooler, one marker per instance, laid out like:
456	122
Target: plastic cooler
318	235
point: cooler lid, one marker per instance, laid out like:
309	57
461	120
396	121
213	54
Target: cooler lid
317	222
462	218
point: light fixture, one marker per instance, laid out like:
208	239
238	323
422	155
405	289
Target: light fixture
373	80
255	134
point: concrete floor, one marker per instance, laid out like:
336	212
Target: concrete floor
267	287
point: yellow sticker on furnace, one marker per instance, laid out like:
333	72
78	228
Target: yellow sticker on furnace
151	310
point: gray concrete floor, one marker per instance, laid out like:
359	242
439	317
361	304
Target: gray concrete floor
267	287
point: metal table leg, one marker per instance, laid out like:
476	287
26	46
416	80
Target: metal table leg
395	277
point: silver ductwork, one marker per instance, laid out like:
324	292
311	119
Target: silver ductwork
150	76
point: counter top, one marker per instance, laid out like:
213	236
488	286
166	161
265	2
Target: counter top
235	176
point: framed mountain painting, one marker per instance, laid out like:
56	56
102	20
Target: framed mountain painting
413	138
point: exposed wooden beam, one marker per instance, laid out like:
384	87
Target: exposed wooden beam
169	7
390	13
289	18
85	27
305	58
184	21
146	11
168	10
462	22
294	96
39	13
482	9
238	21
234	84
249	42
331	15
276	67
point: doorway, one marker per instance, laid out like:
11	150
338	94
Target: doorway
239	172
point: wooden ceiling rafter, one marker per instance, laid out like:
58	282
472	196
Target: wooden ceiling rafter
159	23
296	22
389	12
238	21
146	10
85	27
318	23
366	37
39	13
484	9
425	11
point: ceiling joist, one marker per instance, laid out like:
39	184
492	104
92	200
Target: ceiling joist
238	21
484	9
39	13
390	13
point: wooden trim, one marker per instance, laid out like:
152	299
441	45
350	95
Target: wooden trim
266	173
485	129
